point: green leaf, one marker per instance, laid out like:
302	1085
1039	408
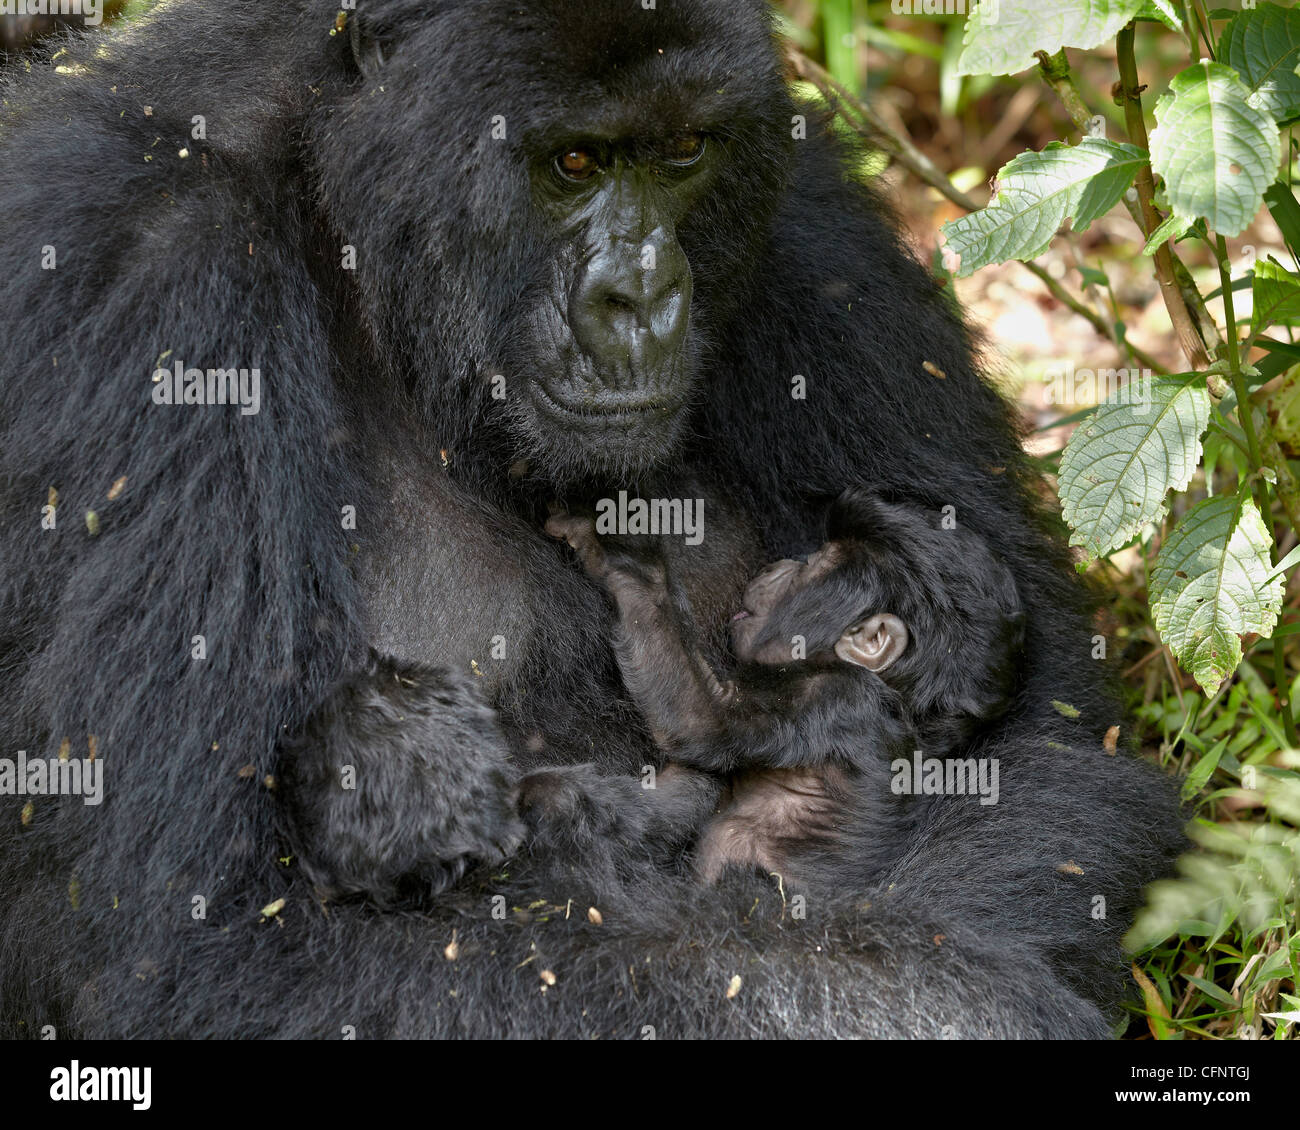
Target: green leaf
1036	193
1281	356
1263	47
1001	38
1165	11
1285	210
1174	227
1203	770
1276	293
1288	562
1216	151
1120	465
1209	587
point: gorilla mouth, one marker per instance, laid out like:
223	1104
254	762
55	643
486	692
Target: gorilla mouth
612	409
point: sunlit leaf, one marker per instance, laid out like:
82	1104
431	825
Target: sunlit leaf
1216	151
1001	37
1037	193
1263	46
1119	466
1210	587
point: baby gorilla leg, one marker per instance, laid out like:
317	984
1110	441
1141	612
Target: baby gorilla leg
398	783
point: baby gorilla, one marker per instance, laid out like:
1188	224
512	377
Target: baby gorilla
895	635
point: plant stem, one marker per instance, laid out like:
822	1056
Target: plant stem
1246	416
1283	685
1244	411
1131	90
1055	70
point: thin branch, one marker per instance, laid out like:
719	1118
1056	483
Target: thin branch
1189	336
1055	71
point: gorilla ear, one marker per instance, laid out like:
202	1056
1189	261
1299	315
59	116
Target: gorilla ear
368	50
875	643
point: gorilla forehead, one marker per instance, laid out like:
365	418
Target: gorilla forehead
597	68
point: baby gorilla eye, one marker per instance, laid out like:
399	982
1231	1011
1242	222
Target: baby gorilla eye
684	149
577	164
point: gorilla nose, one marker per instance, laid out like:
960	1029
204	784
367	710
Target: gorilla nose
632	307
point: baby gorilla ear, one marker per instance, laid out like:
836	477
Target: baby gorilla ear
874	643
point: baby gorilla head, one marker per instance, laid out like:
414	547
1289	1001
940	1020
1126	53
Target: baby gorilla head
929	609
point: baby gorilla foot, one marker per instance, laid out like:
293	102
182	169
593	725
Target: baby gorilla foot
580	813
576	806
398	783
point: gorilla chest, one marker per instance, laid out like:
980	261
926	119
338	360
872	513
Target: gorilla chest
450	581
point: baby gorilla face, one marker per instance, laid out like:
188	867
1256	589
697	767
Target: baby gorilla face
767	592
793	610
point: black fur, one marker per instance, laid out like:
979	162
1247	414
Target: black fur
229	527
399	781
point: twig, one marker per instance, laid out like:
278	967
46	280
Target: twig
1055	71
1131	92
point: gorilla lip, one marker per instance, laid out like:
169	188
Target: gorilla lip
604	417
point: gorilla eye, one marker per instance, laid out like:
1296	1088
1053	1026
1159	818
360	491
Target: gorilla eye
684	149
577	164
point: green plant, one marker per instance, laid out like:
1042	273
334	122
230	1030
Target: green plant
1215	440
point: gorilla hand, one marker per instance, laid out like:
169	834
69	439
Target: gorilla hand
399	781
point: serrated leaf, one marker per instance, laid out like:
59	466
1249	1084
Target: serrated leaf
1037	193
1121	463
1209	587
1216	152
1001	37
1276	294
1263	47
1165	11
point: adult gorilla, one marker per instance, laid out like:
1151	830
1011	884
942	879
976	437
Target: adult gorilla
591	252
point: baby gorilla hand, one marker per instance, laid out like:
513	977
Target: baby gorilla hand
613	561
579	530
398	783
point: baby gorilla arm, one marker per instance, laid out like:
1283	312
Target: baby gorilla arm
764	717
676	690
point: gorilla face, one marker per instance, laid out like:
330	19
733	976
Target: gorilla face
615	346
587	217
